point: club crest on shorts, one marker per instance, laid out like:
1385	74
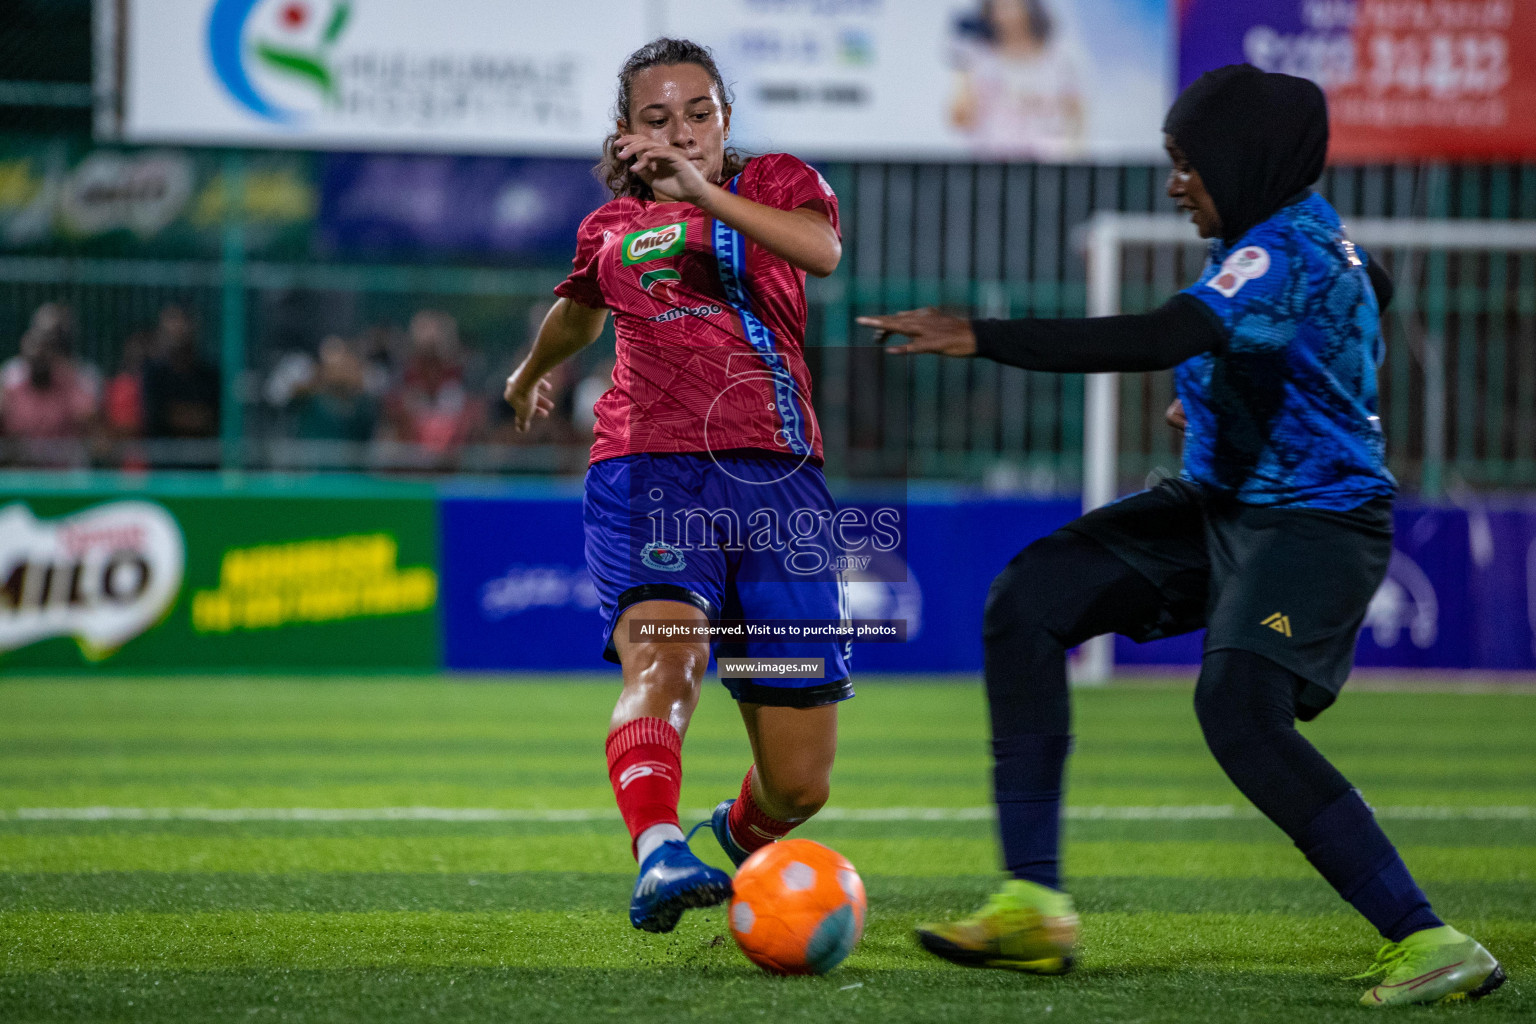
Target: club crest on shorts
1246	264
663	556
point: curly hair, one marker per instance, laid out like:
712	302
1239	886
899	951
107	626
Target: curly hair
615	173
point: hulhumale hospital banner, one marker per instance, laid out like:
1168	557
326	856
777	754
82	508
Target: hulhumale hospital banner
470	75
828	79
1055	80
1406	79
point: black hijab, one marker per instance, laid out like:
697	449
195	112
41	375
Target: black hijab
1257	140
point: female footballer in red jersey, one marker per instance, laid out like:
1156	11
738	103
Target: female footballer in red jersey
705	499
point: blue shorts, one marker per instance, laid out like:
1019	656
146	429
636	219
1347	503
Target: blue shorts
738	536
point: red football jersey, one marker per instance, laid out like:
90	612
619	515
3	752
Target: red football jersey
710	326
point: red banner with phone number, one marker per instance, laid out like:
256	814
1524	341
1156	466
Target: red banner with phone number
1406	79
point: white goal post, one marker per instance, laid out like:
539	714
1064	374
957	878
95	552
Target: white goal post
1105	236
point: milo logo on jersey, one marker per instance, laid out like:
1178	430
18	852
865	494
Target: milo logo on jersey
654	243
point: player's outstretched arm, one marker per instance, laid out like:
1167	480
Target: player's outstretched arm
927	331
1158	340
802	237
568	328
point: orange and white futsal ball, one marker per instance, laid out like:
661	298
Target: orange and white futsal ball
798	907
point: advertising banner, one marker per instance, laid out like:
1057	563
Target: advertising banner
516	593
218	583
376	204
1502	547
515	588
1059	80
472	75
1406	79
63	196
498	582
917	79
1460	592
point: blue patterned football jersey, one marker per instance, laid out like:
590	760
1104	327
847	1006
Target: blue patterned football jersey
1285	415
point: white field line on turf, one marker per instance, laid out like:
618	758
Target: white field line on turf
1196	812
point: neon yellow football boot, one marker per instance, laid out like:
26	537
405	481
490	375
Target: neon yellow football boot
1025	927
1436	965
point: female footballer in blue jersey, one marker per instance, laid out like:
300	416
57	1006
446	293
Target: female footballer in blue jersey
1274	538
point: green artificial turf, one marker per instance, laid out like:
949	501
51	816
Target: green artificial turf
1200	913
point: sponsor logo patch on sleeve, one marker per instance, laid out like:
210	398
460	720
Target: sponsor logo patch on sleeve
1246	264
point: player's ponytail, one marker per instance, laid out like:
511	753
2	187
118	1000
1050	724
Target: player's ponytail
615	173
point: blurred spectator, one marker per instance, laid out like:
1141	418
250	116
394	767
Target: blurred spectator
335	406
44	393
293	374
181	388
377	347
123	401
430	405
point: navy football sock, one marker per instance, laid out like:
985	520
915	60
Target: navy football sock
1056	593
1247	709
1027	776
1351	851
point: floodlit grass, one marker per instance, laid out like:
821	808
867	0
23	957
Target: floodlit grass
265	919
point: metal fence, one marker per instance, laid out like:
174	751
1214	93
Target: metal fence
1458	386
999	240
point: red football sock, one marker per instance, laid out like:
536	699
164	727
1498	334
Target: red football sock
750	825
646	768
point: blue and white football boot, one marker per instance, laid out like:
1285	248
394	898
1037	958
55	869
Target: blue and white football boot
671	881
719	823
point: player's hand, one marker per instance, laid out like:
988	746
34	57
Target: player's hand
529	397
662	166
1175	415
929	331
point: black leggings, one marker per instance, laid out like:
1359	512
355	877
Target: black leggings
1064	589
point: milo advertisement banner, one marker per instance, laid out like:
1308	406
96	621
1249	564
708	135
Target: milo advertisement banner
100	577
218	583
66	196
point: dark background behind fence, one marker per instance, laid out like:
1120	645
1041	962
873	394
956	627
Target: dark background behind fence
268	257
